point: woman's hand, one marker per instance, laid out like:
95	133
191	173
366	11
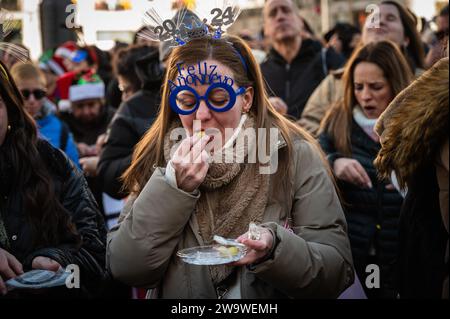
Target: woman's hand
101	141
350	170
191	162
257	249
89	165
279	105
85	150
10	267
45	263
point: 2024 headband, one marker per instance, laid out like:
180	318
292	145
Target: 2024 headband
202	19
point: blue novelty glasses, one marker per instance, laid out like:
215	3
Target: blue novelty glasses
220	97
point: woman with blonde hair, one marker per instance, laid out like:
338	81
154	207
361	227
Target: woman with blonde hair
31	83
183	199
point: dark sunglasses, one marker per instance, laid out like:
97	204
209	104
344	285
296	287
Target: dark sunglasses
38	94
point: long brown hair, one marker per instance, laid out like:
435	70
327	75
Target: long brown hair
415	49
149	152
49	220
337	123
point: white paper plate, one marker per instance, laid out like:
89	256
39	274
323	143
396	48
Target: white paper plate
38	279
212	254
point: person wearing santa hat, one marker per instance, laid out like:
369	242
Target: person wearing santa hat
76	61
52	67
88	119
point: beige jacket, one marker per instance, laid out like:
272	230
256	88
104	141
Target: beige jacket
325	95
313	261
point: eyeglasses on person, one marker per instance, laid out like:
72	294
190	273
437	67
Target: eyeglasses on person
219	97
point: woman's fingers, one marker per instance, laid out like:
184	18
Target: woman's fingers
255	244
257	249
365	179
191	147
7	273
10	267
390	187
15	265
3	289
191	175
185	147
250	258
242	237
279	104
200	167
45	263
352	171
353	176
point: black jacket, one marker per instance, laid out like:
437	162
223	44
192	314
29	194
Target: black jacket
423	239
72	191
88	133
294	83
131	121
372	214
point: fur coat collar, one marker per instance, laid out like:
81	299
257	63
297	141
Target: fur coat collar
415	125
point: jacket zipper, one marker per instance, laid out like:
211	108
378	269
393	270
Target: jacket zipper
288	83
379	210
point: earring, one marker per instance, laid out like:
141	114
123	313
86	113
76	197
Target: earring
9	128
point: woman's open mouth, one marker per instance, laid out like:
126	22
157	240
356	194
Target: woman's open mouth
369	108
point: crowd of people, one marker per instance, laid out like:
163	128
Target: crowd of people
89	174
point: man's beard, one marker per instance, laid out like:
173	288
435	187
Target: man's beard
91	121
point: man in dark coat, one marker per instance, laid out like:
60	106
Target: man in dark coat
88	120
295	65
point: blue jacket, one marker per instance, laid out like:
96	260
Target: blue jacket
51	129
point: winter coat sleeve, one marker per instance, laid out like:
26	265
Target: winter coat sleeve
314	260
318	104
89	255
149	248
328	147
116	155
334	60
71	150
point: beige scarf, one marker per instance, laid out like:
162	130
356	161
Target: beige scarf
233	195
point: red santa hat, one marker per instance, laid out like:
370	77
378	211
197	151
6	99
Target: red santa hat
66	50
88	86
